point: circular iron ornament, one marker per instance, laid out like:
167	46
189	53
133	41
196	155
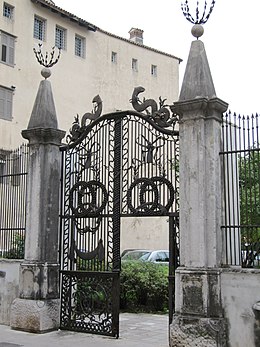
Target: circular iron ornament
145	185
150	186
158	182
87	193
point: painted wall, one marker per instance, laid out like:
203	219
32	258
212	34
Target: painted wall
240	291
144	233
9	287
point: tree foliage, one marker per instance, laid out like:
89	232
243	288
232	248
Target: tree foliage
249	188
17	250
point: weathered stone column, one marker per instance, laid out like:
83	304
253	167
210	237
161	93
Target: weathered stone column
37	308
198	319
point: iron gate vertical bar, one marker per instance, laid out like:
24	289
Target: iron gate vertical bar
116	222
61	261
61	211
173	262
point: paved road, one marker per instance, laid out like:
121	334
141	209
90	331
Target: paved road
142	330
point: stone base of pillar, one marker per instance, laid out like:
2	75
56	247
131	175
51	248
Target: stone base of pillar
190	331
198	292
35	316
198	320
39	281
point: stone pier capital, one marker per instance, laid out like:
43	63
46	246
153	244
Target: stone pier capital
44	136
200	108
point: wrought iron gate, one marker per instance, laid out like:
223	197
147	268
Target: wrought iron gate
119	164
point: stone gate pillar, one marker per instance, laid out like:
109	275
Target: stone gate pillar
198	318
37	308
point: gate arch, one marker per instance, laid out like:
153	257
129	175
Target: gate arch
119	164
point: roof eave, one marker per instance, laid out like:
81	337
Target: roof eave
66	14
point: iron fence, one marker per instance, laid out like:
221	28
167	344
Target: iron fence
13	172
241	167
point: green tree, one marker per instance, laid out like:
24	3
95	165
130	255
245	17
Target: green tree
249	190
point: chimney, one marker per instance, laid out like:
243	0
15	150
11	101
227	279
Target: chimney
136	35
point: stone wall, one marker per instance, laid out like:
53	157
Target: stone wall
240	291
144	233
9	287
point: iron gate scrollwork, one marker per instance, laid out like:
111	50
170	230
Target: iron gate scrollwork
115	165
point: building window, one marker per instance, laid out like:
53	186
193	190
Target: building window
60	38
6	103
7	48
134	64
39	28
8	11
114	57
79	46
154	70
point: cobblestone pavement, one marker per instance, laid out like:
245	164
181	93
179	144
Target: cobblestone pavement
142	330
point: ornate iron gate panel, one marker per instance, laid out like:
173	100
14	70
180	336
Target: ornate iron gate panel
90	254
120	164
148	162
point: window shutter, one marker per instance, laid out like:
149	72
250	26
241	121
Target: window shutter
6	101
11	50
7	47
2	103
4	43
4	39
9	102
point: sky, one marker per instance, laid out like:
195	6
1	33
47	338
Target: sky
231	38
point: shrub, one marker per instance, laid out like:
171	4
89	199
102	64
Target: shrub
17	250
144	287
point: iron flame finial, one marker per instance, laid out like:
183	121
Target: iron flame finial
47	60
200	19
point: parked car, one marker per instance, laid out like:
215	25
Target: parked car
128	250
135	254
156	256
250	258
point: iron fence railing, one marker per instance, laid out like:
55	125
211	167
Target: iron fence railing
13	173
241	166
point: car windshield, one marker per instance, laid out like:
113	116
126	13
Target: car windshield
135	255
156	256
145	256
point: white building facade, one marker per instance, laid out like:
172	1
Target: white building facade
92	62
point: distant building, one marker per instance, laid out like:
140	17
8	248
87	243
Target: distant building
92	62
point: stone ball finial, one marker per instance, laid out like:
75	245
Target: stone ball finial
197	30
46	72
